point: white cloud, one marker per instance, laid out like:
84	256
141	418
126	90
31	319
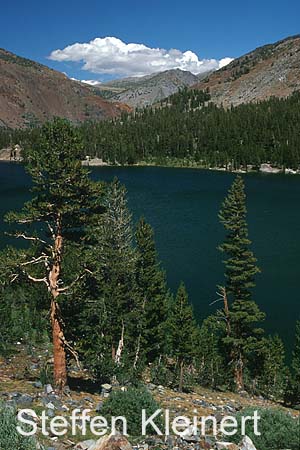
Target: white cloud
91	82
112	56
224	62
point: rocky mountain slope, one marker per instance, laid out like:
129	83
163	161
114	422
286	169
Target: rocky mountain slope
31	93
147	90
271	70
21	388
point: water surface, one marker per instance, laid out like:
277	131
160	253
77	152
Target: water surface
182	206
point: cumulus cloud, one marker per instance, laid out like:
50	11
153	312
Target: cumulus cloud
112	56
224	62
91	82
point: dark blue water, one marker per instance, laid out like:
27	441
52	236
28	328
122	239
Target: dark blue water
182	206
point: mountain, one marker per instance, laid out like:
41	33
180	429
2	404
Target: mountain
31	93
147	90
271	70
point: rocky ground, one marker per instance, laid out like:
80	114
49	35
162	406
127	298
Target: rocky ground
22	386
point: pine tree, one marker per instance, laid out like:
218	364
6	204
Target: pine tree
293	389
152	284
240	270
117	305
271	381
240	263
211	364
296	352
183	331
64	201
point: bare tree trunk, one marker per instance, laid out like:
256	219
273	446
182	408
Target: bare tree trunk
239	373
120	346
137	353
226	310
181	365
59	350
237	359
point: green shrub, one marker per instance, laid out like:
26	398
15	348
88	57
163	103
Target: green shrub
130	404
10	439
162	373
277	429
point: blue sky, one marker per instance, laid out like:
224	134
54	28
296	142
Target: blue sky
212	30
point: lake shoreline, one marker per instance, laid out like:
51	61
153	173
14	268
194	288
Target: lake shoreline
98	162
265	168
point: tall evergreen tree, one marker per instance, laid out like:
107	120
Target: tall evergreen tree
183	330
240	270
152	284
293	389
64	201
296	352
210	360
272	372
117	303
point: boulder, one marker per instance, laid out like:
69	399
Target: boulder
226	446
48	389
85	445
246	444
24	400
112	442
106	390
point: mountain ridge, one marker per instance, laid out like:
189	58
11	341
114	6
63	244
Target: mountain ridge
147	90
31	93
269	70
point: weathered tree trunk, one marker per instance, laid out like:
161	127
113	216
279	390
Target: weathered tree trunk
226	310
120	346
59	350
181	365
239	374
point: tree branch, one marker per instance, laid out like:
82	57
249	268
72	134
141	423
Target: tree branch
42	258
79	277
27	238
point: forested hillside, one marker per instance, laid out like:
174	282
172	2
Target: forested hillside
189	129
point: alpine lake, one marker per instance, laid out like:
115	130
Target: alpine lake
182	206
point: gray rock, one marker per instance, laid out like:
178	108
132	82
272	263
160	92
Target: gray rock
50	406
85	445
202	403
50	413
99	407
15	395
24	399
246	444
37	384
48	389
106	387
225	446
